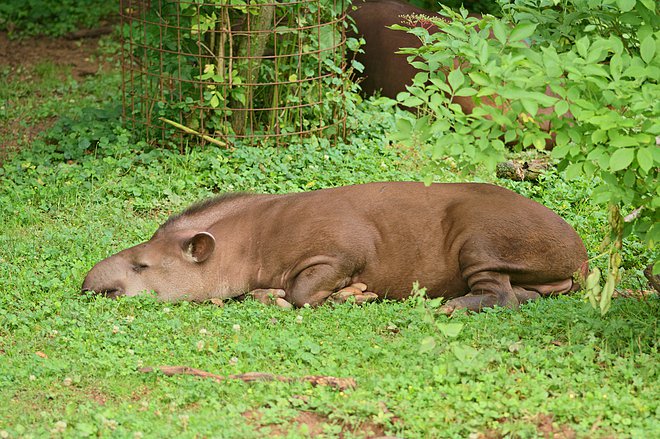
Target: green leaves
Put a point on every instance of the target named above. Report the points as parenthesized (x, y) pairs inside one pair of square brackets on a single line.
[(522, 31), (500, 31), (626, 5), (645, 158), (621, 159), (561, 108), (449, 329), (647, 49), (582, 46), (456, 79)]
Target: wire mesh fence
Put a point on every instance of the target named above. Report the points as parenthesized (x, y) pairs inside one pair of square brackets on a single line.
[(227, 71)]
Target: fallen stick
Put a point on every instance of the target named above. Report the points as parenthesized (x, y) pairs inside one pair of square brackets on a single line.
[(188, 130), (315, 380)]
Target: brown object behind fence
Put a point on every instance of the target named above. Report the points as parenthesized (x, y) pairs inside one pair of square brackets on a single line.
[(231, 72)]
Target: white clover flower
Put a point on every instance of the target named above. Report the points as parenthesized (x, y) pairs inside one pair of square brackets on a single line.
[(233, 361), (110, 423), (59, 427), (299, 319), (200, 345), (236, 327), (203, 331), (67, 381)]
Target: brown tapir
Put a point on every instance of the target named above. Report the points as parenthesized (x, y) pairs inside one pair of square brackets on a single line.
[(385, 70), (477, 244)]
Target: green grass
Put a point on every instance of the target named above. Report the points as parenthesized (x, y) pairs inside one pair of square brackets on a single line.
[(69, 363), (42, 17)]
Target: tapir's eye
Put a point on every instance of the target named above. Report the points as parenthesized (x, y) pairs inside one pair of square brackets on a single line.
[(139, 268)]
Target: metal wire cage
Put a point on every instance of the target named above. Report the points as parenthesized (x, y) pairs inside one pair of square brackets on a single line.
[(229, 71)]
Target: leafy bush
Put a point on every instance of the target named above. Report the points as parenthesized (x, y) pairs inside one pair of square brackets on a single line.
[(599, 96), (44, 17)]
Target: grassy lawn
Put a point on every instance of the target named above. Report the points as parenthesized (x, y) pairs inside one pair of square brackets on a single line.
[(70, 364)]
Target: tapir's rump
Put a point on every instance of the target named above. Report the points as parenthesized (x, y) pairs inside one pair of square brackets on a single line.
[(476, 244)]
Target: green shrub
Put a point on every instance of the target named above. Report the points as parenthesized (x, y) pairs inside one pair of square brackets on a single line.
[(604, 104)]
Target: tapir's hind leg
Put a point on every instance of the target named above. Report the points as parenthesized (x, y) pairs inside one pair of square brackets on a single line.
[(553, 288), (524, 295), (487, 289)]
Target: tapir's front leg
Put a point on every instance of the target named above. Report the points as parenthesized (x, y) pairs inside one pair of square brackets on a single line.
[(358, 291), (317, 278), (270, 296)]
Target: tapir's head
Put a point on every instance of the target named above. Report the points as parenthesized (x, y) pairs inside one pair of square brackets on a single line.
[(174, 266)]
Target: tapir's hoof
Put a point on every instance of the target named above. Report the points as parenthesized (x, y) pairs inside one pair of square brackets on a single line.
[(270, 296), (283, 303), (356, 291), (447, 309)]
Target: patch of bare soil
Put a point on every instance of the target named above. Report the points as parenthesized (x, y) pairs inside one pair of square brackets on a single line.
[(314, 423), (545, 426), (549, 429), (28, 52), (97, 396)]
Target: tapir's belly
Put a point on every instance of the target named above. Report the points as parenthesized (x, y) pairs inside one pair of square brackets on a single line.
[(440, 277)]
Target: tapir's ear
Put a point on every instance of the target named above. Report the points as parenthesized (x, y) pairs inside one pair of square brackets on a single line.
[(199, 247)]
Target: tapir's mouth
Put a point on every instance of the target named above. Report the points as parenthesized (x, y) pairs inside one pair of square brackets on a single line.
[(110, 294)]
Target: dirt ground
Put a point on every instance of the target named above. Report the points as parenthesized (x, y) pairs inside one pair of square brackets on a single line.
[(74, 53)]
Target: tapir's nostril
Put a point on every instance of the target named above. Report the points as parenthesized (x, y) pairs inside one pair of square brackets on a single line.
[(112, 294)]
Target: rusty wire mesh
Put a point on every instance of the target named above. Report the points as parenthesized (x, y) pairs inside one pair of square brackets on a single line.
[(233, 70)]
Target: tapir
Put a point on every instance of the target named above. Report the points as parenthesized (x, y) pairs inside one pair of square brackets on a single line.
[(477, 245), (385, 70), (389, 72)]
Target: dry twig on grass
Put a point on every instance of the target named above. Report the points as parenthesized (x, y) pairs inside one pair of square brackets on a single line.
[(315, 380)]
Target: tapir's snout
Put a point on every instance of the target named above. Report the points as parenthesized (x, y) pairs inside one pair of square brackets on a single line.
[(105, 279)]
